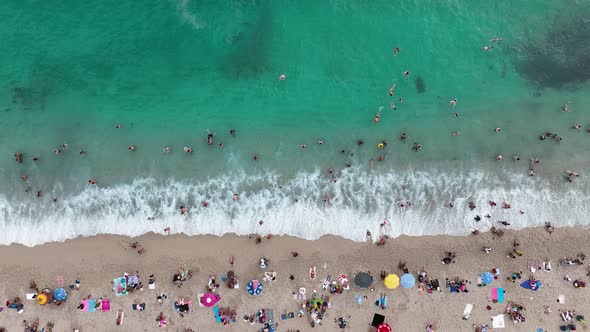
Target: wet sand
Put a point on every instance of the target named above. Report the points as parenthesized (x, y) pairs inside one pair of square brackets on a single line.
[(97, 260)]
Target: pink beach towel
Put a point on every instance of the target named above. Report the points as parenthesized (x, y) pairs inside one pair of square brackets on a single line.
[(85, 304), (106, 305)]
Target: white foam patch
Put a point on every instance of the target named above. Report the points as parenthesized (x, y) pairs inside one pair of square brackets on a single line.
[(359, 201), (183, 9)]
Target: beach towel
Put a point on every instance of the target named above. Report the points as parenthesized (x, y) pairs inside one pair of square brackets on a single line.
[(139, 307), (132, 280), (533, 265), (152, 286), (498, 295), (88, 305), (30, 296), (327, 282), (270, 316), (60, 281), (120, 286), (199, 296), (344, 281), (106, 305), (216, 313), (467, 311), (498, 322), (561, 299), (534, 286), (120, 317)]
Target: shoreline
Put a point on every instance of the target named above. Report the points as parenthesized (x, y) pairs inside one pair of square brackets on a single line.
[(99, 259)]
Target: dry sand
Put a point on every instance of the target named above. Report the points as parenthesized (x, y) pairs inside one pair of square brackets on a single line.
[(97, 260)]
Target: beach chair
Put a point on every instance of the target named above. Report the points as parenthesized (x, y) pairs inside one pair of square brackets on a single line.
[(60, 281), (270, 318), (467, 311)]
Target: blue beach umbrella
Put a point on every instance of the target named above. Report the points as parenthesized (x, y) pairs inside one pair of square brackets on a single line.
[(255, 287), (487, 278), (407, 281), (60, 294)]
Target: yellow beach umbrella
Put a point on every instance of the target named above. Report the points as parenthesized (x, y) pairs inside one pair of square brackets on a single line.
[(41, 299), (391, 281)]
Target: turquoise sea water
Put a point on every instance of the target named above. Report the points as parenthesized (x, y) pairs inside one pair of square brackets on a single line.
[(168, 71)]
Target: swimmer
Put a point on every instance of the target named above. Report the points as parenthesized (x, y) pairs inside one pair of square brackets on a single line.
[(456, 133), (495, 39), (372, 163), (166, 149), (302, 146), (182, 209), (131, 147), (393, 107), (492, 203), (577, 126), (391, 90), (342, 151), (516, 158), (24, 177), (401, 101), (232, 132), (39, 193), (330, 170), (255, 157), (403, 136), (417, 147), (92, 181), (234, 197), (487, 48), (542, 137), (282, 77), (57, 151), (566, 107), (499, 157), (320, 142), (118, 125), (65, 146), (187, 149), (396, 51), (360, 142), (498, 129), (406, 73), (220, 145), (18, 157), (453, 102), (204, 204), (456, 114), (82, 153)]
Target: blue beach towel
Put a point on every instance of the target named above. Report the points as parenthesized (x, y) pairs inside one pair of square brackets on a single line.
[(500, 295), (216, 313)]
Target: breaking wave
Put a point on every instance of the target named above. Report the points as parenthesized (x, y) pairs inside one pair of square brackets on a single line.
[(358, 201)]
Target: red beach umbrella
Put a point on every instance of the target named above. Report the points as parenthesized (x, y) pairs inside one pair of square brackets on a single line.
[(383, 327)]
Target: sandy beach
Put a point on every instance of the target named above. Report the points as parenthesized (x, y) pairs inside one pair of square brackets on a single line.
[(98, 260)]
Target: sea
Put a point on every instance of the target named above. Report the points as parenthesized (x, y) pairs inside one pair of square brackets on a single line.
[(298, 84)]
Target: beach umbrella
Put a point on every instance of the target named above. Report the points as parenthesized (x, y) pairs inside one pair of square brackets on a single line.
[(363, 279), (209, 299), (60, 294), (407, 281), (487, 278), (254, 287), (391, 281), (383, 327), (42, 298)]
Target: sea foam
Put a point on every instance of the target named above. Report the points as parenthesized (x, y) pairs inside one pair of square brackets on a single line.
[(358, 201)]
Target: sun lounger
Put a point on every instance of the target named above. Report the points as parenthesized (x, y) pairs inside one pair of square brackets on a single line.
[(60, 281), (199, 296), (327, 282), (467, 311), (270, 317)]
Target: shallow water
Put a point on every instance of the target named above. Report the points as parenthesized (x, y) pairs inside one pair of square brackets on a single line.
[(168, 71)]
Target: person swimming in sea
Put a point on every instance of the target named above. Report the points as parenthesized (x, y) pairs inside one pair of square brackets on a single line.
[(391, 90), (453, 102), (403, 136), (395, 51), (417, 147)]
